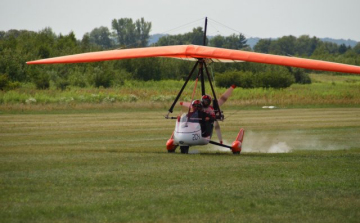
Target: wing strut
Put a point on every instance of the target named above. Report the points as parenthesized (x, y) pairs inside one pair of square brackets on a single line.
[(182, 89), (215, 101), (201, 72)]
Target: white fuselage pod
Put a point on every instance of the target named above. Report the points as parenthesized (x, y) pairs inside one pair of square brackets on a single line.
[(188, 133)]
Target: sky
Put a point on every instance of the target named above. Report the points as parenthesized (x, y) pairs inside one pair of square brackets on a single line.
[(254, 18)]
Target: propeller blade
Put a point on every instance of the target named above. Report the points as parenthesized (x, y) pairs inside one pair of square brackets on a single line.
[(218, 132), (185, 104), (226, 95)]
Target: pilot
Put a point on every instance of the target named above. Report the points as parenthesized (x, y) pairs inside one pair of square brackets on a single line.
[(207, 108)]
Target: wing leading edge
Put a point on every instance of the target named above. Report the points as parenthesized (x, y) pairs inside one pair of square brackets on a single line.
[(205, 52)]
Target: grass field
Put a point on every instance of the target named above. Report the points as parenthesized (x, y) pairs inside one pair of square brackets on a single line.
[(298, 165)]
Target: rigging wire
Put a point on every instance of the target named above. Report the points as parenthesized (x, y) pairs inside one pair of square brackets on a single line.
[(216, 32), (182, 26), (219, 23), (231, 114)]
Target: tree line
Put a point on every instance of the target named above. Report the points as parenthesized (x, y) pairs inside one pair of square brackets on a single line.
[(19, 46)]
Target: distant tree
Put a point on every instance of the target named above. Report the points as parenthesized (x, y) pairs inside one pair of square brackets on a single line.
[(101, 37), (100, 77), (300, 76), (143, 29), (44, 51), (263, 46), (283, 46), (325, 48), (331, 48), (124, 30), (356, 48), (66, 44), (217, 41), (42, 81), (272, 77), (171, 40), (13, 33), (4, 81), (288, 45), (130, 34), (85, 42), (235, 42), (305, 46), (342, 48), (2, 34), (195, 37)]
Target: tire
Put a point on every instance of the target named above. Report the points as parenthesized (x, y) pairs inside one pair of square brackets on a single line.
[(184, 149), (236, 153)]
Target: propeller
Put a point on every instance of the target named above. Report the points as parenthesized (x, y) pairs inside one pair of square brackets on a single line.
[(218, 131), (223, 98)]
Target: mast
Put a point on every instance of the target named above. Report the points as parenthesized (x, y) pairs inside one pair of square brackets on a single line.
[(201, 65), (205, 28)]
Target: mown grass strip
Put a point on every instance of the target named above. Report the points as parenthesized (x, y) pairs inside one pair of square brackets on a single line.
[(113, 166)]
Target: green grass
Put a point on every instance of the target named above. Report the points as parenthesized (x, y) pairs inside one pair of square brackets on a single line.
[(326, 90), (113, 167)]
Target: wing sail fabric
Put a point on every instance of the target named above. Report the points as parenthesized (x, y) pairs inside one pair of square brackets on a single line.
[(197, 52)]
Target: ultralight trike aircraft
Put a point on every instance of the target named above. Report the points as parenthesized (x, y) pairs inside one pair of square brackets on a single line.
[(195, 126)]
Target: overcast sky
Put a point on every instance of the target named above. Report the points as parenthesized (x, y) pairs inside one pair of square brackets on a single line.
[(254, 18)]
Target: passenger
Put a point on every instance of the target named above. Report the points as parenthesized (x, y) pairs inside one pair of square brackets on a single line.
[(196, 105), (195, 111), (197, 114)]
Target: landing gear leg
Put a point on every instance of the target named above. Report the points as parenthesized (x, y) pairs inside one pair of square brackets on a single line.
[(184, 149)]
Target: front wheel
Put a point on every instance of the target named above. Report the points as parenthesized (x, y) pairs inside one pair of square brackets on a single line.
[(184, 149)]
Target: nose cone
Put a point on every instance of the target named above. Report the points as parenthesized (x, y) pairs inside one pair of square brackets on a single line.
[(189, 134)]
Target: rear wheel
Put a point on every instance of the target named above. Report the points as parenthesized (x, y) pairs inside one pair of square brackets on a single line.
[(184, 149), (236, 153)]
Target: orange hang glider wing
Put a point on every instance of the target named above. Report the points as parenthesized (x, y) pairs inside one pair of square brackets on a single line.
[(204, 52)]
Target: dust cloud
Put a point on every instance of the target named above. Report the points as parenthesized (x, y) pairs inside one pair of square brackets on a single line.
[(283, 142), (256, 143), (266, 143)]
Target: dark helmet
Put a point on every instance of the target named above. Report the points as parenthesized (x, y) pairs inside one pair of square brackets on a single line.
[(206, 100), (196, 104)]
